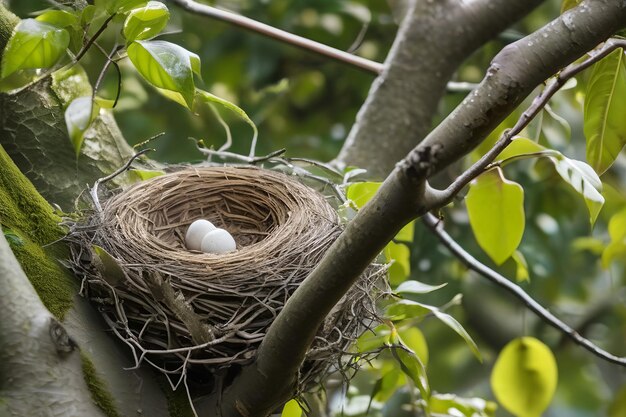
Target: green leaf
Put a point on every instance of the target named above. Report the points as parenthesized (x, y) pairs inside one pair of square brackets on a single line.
[(409, 309), (143, 175), (460, 330), (518, 147), (521, 271), (165, 65), (414, 339), (34, 44), (616, 249), (524, 377), (59, 18), (122, 6), (88, 14), (388, 385), (604, 121), (411, 365), (362, 192), (292, 409), (146, 22), (416, 287), (584, 180), (568, 4), (452, 405), (78, 116), (496, 213), (400, 257)]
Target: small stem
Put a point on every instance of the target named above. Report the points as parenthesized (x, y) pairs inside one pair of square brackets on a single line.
[(281, 35), (436, 227), (531, 112), (503, 162), (95, 36)]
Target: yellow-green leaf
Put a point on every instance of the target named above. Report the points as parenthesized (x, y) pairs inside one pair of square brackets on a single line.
[(605, 124), (362, 192), (616, 249), (165, 65), (521, 272), (524, 377), (400, 256), (568, 4), (34, 44), (496, 213), (292, 409), (142, 174), (146, 22)]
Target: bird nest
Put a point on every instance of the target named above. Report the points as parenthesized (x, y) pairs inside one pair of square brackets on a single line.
[(179, 309)]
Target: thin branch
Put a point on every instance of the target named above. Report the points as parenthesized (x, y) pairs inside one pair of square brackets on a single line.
[(280, 35), (95, 36), (531, 112), (436, 226)]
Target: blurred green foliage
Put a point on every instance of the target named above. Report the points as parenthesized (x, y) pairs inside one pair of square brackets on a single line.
[(307, 105)]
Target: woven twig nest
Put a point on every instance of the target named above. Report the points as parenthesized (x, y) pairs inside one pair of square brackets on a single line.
[(178, 308)]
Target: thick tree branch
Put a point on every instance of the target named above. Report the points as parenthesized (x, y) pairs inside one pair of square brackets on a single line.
[(433, 40), (280, 35), (36, 354), (472, 263), (529, 114), (516, 71)]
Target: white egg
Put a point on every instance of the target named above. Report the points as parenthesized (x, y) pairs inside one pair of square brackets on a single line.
[(196, 232), (218, 241)]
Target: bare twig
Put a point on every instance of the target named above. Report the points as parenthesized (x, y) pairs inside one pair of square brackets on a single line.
[(537, 105), (472, 263), (94, 190), (103, 72), (281, 35), (95, 36)]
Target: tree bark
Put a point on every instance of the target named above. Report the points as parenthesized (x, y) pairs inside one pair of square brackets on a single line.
[(433, 39), (40, 365), (404, 195)]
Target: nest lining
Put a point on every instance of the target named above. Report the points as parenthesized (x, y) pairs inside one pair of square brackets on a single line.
[(182, 308)]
